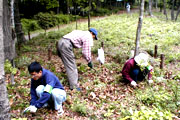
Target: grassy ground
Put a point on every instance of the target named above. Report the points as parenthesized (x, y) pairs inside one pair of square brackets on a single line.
[(103, 94)]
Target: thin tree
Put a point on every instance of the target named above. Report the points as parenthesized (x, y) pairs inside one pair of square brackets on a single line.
[(89, 14), (138, 32), (156, 3), (4, 103), (150, 7), (172, 10), (18, 27), (164, 7), (178, 11)]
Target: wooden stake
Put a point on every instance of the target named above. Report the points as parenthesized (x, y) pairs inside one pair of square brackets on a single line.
[(102, 45), (155, 51), (162, 61), (49, 53)]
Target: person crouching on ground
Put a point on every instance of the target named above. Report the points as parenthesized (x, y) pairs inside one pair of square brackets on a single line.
[(45, 88), (75, 39), (136, 69)]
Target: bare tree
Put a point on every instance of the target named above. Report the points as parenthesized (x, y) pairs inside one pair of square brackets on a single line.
[(138, 32), (4, 103)]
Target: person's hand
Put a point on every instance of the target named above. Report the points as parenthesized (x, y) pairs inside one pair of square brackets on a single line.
[(150, 81), (31, 108), (90, 64), (133, 83)]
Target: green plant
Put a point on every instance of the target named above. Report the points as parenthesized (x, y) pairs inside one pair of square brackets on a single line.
[(45, 20), (151, 97), (80, 108), (29, 25), (22, 61), (9, 68), (149, 114)]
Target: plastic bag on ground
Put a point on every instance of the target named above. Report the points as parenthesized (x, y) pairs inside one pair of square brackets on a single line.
[(101, 57)]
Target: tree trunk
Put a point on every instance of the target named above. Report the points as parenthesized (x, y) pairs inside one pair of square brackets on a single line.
[(18, 27), (12, 13), (156, 4), (172, 10), (164, 6), (178, 11), (138, 32), (9, 38), (89, 14), (4, 103), (9, 42), (150, 7), (68, 11)]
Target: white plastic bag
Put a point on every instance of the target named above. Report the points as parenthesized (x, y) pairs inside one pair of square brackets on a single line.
[(101, 57)]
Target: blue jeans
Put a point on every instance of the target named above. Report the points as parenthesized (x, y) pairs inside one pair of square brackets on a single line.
[(58, 96), (137, 75)]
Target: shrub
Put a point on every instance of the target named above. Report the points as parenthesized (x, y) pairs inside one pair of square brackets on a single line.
[(45, 20), (101, 12), (22, 61), (81, 108), (29, 25), (9, 68)]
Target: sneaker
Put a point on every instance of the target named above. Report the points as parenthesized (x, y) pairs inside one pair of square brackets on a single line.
[(60, 111)]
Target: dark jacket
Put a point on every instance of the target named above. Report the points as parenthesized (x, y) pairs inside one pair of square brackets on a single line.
[(47, 78)]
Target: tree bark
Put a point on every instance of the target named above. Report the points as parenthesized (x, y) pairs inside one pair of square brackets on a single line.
[(68, 11), (178, 11), (172, 10), (4, 103), (9, 42), (12, 13), (89, 15), (150, 7), (138, 32), (9, 38), (18, 27), (164, 6), (156, 4)]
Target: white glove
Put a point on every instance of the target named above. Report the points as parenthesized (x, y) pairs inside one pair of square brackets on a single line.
[(101, 57), (133, 83), (31, 108), (150, 81)]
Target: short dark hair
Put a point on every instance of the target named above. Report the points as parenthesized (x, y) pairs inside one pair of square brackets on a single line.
[(34, 67)]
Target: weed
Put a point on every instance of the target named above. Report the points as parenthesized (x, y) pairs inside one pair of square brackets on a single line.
[(81, 108), (22, 61)]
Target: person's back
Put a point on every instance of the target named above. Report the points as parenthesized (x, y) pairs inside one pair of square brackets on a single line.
[(78, 37)]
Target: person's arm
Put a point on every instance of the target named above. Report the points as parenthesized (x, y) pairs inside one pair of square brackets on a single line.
[(86, 50), (34, 96), (50, 80), (126, 72)]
